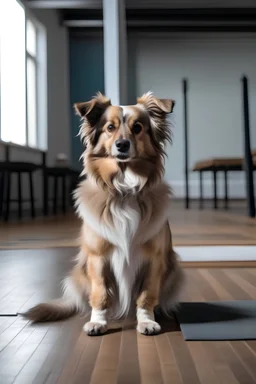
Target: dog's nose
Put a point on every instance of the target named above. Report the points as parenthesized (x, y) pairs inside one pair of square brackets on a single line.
[(123, 145)]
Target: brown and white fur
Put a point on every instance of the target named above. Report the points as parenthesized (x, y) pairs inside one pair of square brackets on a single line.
[(126, 260)]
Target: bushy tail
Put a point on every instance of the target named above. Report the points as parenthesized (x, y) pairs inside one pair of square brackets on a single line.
[(52, 311), (72, 302)]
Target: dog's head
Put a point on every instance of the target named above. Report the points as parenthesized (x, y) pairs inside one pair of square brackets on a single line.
[(121, 137)]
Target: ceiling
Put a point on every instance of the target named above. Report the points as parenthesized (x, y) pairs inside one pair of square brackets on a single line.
[(144, 4), (230, 15)]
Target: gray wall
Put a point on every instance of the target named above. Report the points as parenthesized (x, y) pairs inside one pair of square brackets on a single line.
[(214, 64), (58, 84)]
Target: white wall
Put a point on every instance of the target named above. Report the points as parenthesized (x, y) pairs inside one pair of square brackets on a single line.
[(214, 64)]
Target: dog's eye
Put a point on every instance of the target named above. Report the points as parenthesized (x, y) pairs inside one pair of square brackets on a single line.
[(111, 128), (136, 128)]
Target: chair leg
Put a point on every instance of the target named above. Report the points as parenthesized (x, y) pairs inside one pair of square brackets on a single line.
[(2, 177), (70, 189), (226, 188), (64, 194), (19, 195), (45, 192), (201, 190), (55, 197), (8, 197), (215, 189), (32, 198)]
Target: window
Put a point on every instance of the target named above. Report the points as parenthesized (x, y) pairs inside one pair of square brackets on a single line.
[(23, 77), (13, 85)]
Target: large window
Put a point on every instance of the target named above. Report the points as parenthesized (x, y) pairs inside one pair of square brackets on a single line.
[(23, 77)]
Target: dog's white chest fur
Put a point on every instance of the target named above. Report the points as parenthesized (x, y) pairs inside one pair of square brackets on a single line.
[(126, 258), (129, 181)]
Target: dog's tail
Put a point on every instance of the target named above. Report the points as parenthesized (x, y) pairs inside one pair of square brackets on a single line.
[(71, 303), (52, 311)]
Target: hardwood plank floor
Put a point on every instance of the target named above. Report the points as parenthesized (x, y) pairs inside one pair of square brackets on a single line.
[(62, 353), (189, 227)]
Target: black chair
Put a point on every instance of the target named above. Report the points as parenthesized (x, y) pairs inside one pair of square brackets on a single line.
[(7, 169), (68, 178)]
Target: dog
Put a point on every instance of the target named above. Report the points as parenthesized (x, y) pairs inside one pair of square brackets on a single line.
[(126, 262)]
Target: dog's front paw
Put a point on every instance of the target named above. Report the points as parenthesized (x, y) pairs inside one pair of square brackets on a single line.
[(95, 329), (148, 327)]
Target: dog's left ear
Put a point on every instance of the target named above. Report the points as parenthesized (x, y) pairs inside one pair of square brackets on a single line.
[(166, 105), (158, 109), (156, 106)]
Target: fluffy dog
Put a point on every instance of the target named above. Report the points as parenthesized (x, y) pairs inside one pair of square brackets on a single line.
[(126, 260)]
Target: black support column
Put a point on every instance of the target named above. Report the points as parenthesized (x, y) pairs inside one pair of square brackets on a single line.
[(248, 165), (185, 91)]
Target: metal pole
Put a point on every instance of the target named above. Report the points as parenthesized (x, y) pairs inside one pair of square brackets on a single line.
[(185, 90), (45, 184), (247, 151)]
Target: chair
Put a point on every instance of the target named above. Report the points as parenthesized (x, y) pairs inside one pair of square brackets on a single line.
[(216, 165), (7, 169), (63, 174)]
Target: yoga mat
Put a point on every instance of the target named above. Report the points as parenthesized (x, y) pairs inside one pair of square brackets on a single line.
[(232, 320)]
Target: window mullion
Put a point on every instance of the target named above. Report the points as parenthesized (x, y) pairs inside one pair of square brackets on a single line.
[(37, 98), (32, 64), (33, 58), (26, 80), (0, 95)]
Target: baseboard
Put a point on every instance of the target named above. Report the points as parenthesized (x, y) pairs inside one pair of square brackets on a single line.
[(236, 188)]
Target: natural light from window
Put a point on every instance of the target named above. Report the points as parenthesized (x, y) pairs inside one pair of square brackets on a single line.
[(12, 64), (23, 97)]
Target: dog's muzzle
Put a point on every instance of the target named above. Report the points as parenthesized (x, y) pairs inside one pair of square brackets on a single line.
[(122, 149), (123, 145)]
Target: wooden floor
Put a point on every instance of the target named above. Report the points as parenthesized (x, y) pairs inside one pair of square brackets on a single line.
[(62, 353), (189, 227)]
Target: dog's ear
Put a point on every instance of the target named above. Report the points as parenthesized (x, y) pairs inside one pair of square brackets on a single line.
[(91, 113), (156, 106), (92, 110), (158, 109)]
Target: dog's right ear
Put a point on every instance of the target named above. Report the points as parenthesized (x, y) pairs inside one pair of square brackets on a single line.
[(92, 110)]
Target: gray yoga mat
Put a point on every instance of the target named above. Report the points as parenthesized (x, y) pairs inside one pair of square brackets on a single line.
[(232, 320)]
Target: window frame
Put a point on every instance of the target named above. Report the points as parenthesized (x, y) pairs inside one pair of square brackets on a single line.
[(40, 30), (35, 60)]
